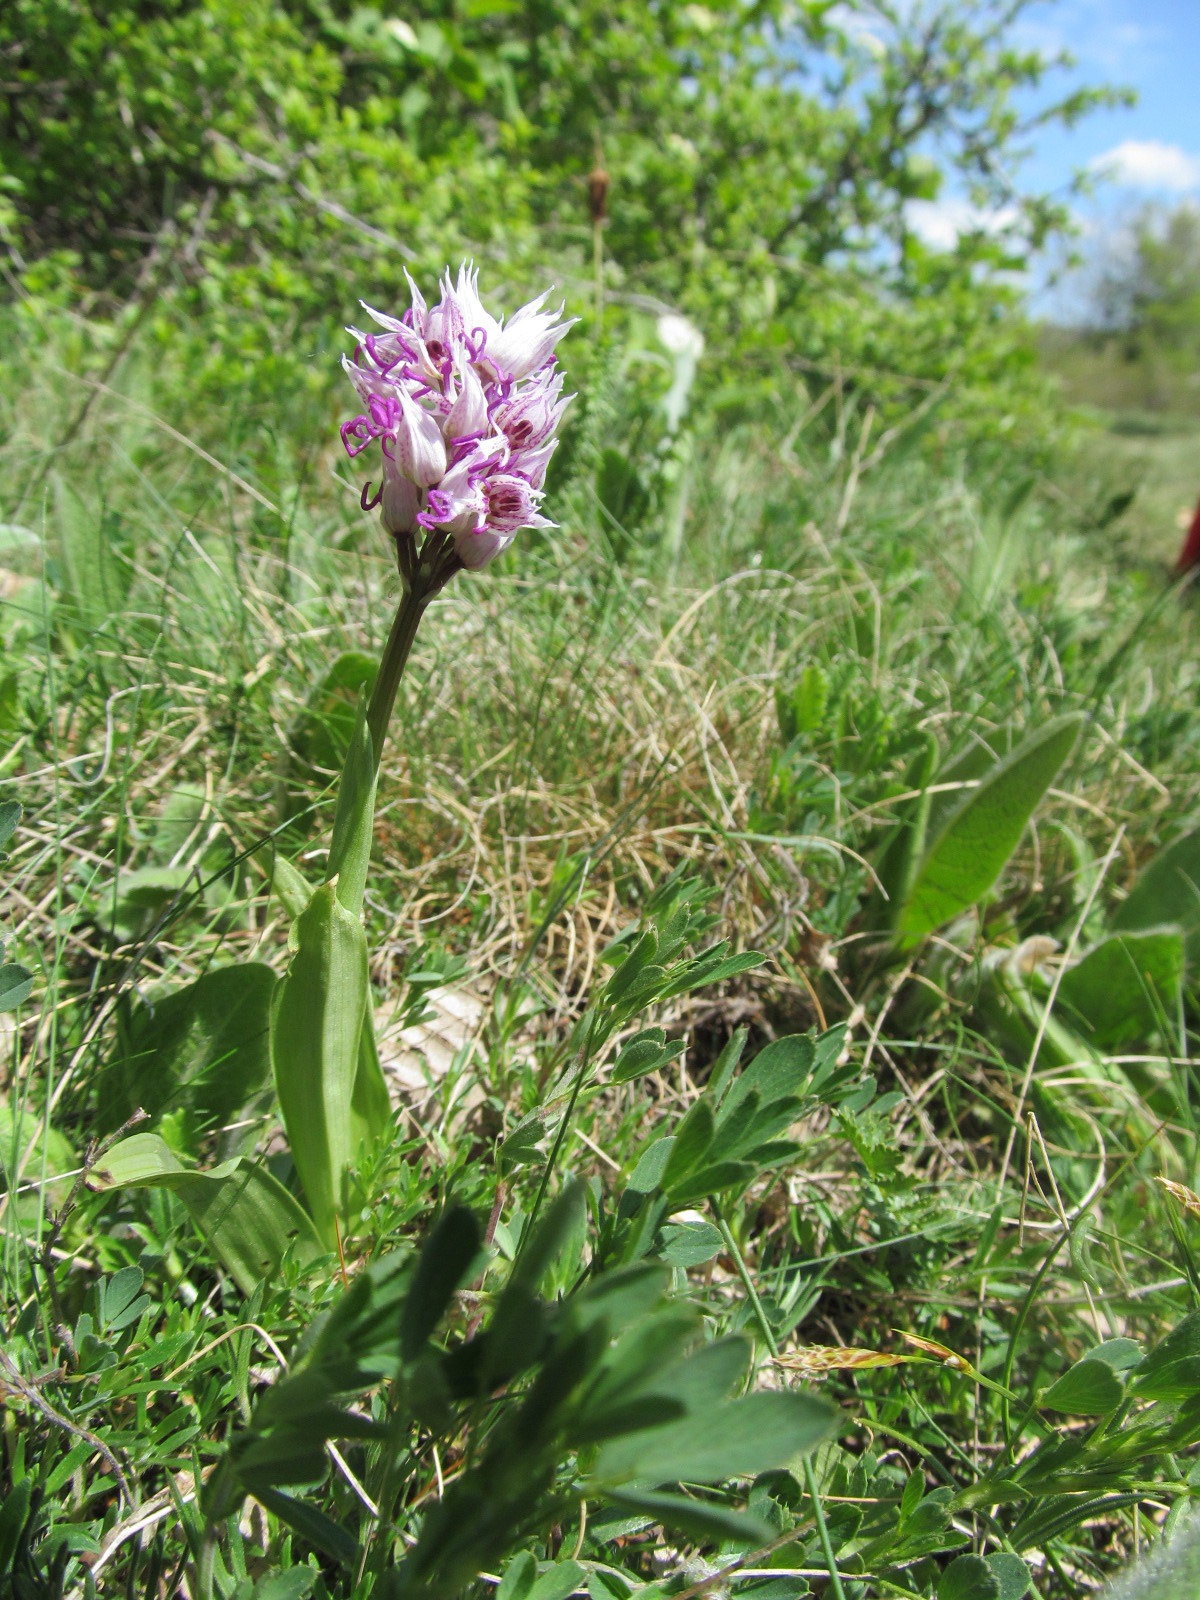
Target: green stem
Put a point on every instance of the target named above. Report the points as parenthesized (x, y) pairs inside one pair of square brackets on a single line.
[(559, 1141), (810, 1477), (206, 1563), (395, 656)]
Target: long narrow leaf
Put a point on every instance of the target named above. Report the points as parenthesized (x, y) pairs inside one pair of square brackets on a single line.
[(316, 1032)]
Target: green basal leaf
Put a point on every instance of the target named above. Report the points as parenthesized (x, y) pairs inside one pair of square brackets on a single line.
[(248, 1217), (1123, 988), (204, 1047), (323, 732), (97, 576), (316, 1038), (1168, 890), (371, 1104), (900, 854), (292, 887), (981, 833), (353, 823)]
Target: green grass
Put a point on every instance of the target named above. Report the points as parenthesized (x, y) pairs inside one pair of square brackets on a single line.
[(598, 711)]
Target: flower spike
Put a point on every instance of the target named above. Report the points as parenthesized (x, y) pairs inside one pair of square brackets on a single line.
[(466, 408)]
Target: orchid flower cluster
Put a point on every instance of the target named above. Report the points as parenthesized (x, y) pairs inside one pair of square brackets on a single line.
[(466, 408)]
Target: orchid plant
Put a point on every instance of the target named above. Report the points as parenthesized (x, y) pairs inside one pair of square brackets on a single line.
[(465, 408)]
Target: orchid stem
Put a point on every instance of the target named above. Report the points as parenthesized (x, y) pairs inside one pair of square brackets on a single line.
[(395, 656)]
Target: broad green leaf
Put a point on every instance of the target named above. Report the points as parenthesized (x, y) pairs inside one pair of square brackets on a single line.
[(13, 1514), (699, 1519), (1168, 890), (1120, 1354), (692, 1138), (10, 817), (739, 1438), (370, 1102), (981, 833), (322, 733), (1088, 1389), (519, 1576), (779, 1071), (293, 1583), (647, 1175), (90, 539), (316, 1033), (179, 823), (647, 1051), (119, 1299), (1118, 993), (126, 909), (558, 1581), (292, 887), (704, 1181), (1183, 1340), (901, 852), (354, 819), (16, 984), (313, 1526), (1171, 1371), (444, 1263), (968, 1578), (1011, 1573), (248, 1217), (688, 1244), (205, 1047), (17, 1134), (955, 780)]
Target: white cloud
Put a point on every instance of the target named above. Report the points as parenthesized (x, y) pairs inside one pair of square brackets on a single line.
[(940, 223), (1150, 164)]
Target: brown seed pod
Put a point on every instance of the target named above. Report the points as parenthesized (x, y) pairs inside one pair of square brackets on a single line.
[(598, 193)]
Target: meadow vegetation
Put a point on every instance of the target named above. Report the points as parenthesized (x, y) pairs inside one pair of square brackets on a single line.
[(783, 902)]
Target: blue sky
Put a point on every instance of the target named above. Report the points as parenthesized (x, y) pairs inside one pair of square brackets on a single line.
[(1154, 47), (1150, 151)]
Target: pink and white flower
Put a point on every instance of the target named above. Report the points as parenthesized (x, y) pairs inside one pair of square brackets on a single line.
[(466, 408)]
